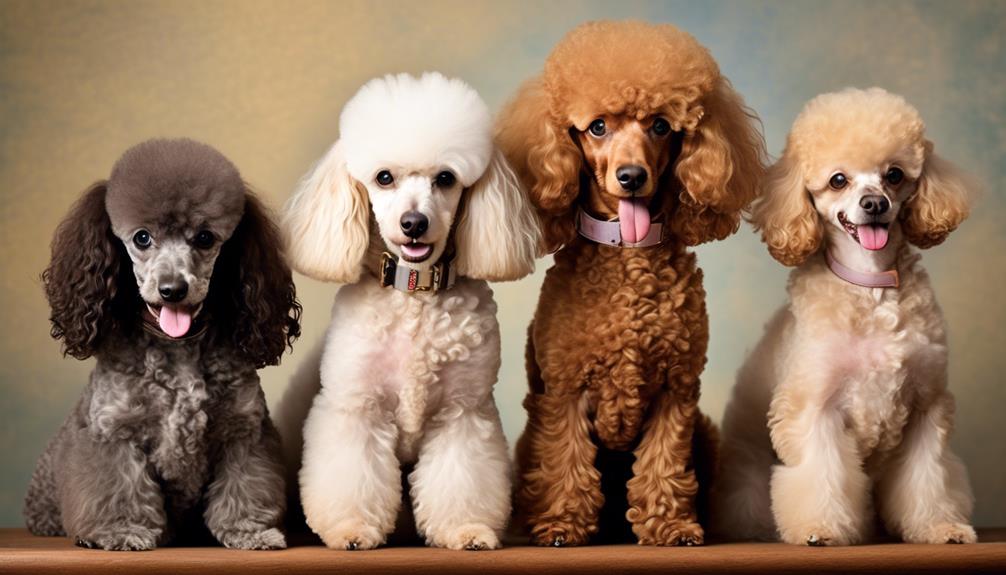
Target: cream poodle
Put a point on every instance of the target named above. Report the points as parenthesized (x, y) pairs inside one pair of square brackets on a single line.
[(414, 209), (843, 406)]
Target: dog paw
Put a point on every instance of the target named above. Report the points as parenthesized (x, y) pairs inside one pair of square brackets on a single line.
[(559, 534), (821, 536), (265, 539), (352, 535), (671, 534), (944, 533), (469, 537), (133, 538)]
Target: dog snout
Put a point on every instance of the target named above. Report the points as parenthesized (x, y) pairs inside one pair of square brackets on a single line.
[(414, 224), (874, 205), (631, 177), (172, 289)]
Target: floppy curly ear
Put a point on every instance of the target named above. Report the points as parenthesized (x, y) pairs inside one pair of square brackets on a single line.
[(84, 276), (942, 201), (720, 165), (785, 216), (498, 236), (253, 289), (326, 222), (545, 158)]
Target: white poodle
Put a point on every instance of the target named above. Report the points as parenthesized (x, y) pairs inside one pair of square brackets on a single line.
[(844, 404), (414, 209)]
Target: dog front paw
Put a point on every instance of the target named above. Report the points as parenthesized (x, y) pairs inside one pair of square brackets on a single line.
[(818, 535), (352, 535), (131, 538), (944, 533), (469, 537), (259, 540), (669, 533), (559, 534)]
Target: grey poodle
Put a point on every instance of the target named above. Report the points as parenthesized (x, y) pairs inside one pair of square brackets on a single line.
[(171, 274)]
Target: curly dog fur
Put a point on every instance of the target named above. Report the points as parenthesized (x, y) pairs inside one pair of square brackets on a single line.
[(619, 337), (843, 407), (168, 427), (404, 380)]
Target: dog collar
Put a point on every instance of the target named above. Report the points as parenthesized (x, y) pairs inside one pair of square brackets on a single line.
[(885, 279), (610, 233), (439, 277)]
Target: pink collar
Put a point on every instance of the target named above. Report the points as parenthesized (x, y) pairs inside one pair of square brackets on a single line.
[(885, 279), (610, 233)]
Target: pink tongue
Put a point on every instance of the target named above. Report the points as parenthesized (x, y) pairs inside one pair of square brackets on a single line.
[(872, 237), (175, 321), (634, 219), (416, 251)]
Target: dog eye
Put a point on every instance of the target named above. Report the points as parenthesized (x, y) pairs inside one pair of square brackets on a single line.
[(445, 179), (142, 239), (661, 127), (894, 176), (384, 178), (838, 181), (204, 240), (597, 127)]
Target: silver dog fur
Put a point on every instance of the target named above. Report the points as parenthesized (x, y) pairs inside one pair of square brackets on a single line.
[(167, 428)]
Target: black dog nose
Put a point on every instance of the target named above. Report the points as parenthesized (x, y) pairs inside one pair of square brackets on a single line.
[(631, 177), (874, 205), (173, 290), (414, 224)]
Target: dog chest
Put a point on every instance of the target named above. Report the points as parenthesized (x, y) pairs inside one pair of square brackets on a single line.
[(177, 402)]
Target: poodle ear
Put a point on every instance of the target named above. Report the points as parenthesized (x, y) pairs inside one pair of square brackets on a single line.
[(497, 237), (254, 288), (83, 276), (788, 221), (719, 168), (326, 222), (942, 201), (546, 159)]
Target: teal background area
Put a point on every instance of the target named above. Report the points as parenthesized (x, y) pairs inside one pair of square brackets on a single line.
[(264, 82)]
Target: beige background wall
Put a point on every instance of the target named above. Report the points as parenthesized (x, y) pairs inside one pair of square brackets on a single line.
[(264, 82)]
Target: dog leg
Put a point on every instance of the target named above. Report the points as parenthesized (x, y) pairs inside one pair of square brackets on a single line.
[(923, 493), (820, 494), (662, 490), (246, 501), (461, 483), (109, 500), (350, 483), (561, 490)]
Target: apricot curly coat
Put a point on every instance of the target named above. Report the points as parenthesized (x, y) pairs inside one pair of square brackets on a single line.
[(619, 337)]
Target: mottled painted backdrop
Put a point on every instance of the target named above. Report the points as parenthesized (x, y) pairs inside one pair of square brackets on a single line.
[(264, 83)]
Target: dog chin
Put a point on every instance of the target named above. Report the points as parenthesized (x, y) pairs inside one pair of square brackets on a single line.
[(174, 319)]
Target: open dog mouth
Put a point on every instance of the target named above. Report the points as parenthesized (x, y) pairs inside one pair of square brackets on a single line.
[(174, 320), (872, 236), (416, 252), (634, 219)]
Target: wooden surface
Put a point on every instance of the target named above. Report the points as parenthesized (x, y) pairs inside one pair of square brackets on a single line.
[(23, 553)]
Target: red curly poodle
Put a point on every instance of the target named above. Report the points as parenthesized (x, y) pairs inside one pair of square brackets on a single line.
[(630, 122)]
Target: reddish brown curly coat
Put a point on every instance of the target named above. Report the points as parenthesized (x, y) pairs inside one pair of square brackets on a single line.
[(619, 337)]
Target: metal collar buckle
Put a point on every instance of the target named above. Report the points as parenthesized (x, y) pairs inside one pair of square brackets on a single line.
[(439, 277)]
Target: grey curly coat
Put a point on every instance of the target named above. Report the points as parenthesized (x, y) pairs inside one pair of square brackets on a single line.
[(168, 428)]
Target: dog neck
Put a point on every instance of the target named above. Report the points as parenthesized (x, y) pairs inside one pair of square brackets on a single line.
[(388, 270), (606, 230), (860, 266)]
